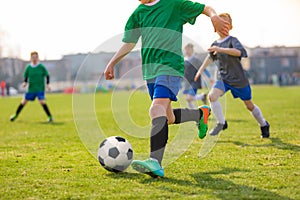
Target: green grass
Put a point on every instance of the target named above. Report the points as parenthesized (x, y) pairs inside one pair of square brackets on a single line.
[(50, 161)]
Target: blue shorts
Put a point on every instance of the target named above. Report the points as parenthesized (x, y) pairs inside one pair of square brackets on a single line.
[(242, 93), (164, 86), (30, 96), (191, 91)]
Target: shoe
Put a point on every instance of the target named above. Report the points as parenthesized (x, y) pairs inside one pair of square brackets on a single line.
[(218, 128), (50, 119), (150, 167), (265, 131), (202, 126), (13, 117)]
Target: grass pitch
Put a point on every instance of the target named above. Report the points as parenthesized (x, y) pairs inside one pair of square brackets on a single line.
[(49, 161)]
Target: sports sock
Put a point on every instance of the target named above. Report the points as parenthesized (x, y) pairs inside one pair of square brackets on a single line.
[(46, 109), (257, 114), (217, 111), (159, 138), (19, 109), (186, 115), (191, 104), (199, 96)]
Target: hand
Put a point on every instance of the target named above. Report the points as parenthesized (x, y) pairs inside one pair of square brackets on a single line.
[(197, 76), (48, 87), (109, 72), (214, 49), (24, 84), (220, 25)]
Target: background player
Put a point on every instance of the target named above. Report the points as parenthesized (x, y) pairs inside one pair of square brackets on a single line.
[(35, 75), (191, 66), (227, 52)]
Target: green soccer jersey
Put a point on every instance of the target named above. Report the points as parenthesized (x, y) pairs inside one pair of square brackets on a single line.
[(160, 27), (36, 77)]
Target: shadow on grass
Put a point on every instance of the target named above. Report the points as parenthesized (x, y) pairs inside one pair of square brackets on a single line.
[(52, 123), (276, 143), (226, 189), (125, 175), (237, 120), (207, 185)]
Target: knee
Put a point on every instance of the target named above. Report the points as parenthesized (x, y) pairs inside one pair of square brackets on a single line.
[(250, 107), (171, 118), (212, 97), (23, 102), (157, 110)]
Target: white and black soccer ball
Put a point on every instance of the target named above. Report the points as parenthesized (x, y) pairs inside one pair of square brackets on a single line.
[(115, 154)]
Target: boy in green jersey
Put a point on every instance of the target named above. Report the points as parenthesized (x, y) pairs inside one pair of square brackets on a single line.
[(34, 76), (159, 24)]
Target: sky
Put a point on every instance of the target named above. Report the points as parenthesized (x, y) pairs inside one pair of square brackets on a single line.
[(58, 27)]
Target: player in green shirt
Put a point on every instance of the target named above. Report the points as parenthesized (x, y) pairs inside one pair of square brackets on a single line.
[(35, 75), (159, 24)]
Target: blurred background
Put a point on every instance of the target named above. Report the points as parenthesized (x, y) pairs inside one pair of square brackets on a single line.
[(67, 35)]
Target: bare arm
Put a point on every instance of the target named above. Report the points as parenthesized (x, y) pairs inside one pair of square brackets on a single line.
[(219, 24), (121, 53), (229, 51), (204, 65)]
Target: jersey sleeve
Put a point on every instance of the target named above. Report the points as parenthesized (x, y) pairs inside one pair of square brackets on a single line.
[(190, 11), (237, 45), (132, 30), (46, 73), (26, 72)]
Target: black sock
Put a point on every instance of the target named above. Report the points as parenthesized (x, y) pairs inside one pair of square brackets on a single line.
[(21, 106), (159, 138), (46, 109), (186, 115)]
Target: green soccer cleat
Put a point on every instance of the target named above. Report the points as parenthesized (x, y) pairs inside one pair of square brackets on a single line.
[(203, 126), (50, 119), (150, 167), (13, 117)]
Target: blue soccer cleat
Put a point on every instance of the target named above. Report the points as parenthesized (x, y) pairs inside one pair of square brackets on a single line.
[(150, 167)]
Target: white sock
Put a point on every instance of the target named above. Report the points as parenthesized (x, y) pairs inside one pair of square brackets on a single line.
[(217, 111), (199, 97), (191, 105), (257, 114)]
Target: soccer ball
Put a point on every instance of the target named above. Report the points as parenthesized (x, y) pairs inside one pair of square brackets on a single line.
[(115, 154)]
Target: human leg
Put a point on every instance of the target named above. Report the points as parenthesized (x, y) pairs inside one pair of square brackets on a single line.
[(162, 91), (216, 108), (190, 95), (202, 97), (19, 109), (42, 100), (258, 116)]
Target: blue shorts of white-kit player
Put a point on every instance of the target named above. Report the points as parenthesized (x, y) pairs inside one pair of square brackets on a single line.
[(242, 93), (164, 86), (191, 91), (30, 96)]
